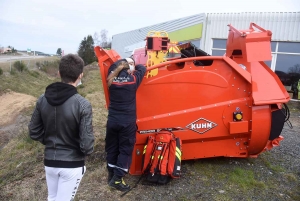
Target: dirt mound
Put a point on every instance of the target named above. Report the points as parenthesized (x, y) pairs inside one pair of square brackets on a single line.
[(11, 104), (12, 121)]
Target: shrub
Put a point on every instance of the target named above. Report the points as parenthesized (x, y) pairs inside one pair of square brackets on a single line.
[(13, 72), (20, 66), (34, 73), (50, 67), (1, 71), (38, 64)]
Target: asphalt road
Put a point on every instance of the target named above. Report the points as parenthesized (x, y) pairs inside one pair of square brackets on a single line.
[(7, 58)]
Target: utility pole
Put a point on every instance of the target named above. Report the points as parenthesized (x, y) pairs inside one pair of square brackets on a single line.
[(10, 63)]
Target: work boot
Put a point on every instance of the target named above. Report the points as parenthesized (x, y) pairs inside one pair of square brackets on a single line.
[(119, 183), (110, 176)]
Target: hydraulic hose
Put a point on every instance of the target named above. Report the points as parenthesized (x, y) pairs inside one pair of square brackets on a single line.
[(287, 115)]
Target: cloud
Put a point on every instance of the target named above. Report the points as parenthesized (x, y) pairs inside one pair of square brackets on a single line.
[(64, 23)]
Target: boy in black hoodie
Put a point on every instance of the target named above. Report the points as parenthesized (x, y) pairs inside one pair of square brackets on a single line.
[(62, 121)]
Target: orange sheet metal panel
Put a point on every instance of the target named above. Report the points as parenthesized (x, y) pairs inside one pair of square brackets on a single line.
[(260, 130), (235, 147), (198, 102), (266, 86), (105, 59), (238, 127)]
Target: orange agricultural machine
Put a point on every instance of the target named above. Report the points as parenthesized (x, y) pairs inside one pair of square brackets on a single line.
[(230, 106)]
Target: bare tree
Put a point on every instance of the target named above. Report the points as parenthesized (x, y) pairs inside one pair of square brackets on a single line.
[(295, 69), (96, 39), (104, 38)]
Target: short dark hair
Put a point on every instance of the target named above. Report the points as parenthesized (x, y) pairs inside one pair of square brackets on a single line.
[(70, 67)]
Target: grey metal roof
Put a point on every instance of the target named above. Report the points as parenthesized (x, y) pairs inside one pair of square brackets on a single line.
[(120, 41)]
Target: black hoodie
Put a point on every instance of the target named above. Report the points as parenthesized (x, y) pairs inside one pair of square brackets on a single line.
[(57, 93)]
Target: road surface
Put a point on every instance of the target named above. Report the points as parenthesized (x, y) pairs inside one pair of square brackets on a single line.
[(7, 58)]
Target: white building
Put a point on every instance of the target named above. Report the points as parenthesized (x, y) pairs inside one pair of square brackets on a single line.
[(209, 32), (4, 50)]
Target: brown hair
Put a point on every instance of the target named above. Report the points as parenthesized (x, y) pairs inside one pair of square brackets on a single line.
[(70, 67)]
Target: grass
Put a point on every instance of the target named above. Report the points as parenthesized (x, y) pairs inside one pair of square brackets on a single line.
[(221, 169), (27, 82), (245, 179), (19, 156), (22, 172), (275, 168), (22, 158), (30, 63)]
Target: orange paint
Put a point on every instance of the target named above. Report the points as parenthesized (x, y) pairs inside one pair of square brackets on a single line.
[(198, 102)]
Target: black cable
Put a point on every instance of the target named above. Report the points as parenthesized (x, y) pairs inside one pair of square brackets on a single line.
[(133, 186), (287, 115)]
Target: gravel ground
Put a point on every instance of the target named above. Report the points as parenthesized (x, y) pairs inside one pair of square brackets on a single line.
[(274, 175)]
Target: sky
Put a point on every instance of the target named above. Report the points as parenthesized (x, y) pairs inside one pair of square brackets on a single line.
[(51, 24)]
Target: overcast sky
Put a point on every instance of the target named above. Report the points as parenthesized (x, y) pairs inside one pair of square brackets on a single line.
[(51, 24)]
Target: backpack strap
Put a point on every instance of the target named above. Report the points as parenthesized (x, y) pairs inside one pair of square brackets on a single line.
[(147, 154), (174, 165), (164, 160)]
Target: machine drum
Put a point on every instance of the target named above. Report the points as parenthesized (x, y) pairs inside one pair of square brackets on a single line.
[(278, 119)]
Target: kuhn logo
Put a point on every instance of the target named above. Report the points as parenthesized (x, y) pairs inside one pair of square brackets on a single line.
[(201, 125)]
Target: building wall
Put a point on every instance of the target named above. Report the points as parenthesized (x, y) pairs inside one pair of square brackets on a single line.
[(285, 26), (285, 45), (125, 43), (210, 32)]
